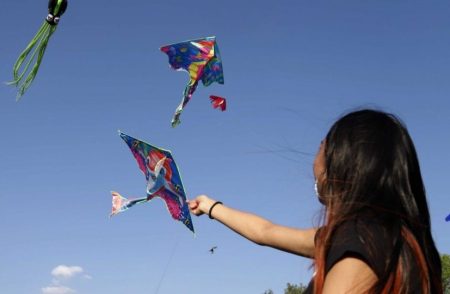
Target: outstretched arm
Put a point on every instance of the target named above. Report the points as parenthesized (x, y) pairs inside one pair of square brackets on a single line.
[(258, 229)]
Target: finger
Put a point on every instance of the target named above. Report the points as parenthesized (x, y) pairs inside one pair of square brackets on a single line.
[(193, 204), (197, 212)]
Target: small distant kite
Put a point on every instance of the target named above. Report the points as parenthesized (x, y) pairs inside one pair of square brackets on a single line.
[(201, 59), (212, 249), (447, 218), (218, 102), (163, 180), (23, 75)]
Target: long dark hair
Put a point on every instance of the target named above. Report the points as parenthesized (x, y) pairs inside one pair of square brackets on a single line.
[(372, 170)]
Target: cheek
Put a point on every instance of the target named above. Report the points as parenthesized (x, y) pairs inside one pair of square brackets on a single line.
[(315, 169), (319, 162), (319, 167)]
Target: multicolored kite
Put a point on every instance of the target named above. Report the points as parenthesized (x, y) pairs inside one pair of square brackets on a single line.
[(163, 180), (201, 59), (37, 47)]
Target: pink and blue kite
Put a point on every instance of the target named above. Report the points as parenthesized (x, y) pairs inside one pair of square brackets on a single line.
[(163, 180), (201, 59)]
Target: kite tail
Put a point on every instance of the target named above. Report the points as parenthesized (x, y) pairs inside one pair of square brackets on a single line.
[(33, 53), (120, 203), (187, 94)]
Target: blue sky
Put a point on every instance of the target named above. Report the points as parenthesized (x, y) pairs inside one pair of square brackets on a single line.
[(291, 68)]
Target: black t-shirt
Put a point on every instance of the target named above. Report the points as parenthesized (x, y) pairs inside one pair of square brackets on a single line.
[(351, 239)]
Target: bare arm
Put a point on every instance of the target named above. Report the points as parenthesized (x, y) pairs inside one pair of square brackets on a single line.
[(350, 276), (258, 229)]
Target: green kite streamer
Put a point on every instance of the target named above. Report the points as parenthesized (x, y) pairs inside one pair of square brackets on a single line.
[(34, 52)]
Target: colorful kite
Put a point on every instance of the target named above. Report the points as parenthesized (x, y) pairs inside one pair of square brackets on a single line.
[(201, 59), (218, 102), (22, 76), (163, 180)]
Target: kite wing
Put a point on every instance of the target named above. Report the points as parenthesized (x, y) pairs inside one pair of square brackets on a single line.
[(23, 76), (218, 102), (201, 59), (447, 218), (138, 154), (163, 179), (177, 207), (191, 56), (213, 71)]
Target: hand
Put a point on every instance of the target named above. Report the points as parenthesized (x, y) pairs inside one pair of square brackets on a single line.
[(200, 205)]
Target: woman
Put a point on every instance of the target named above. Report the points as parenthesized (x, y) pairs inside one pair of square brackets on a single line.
[(376, 236)]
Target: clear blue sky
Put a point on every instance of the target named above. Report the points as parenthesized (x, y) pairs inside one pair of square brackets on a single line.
[(291, 68)]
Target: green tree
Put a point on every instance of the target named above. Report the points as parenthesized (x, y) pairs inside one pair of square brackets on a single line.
[(445, 260), (294, 289), (290, 289)]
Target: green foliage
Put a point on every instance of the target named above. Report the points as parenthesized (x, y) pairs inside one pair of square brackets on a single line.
[(294, 289), (445, 260), (290, 289)]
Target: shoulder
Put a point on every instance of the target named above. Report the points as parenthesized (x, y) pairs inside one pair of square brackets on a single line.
[(356, 256), (363, 239), (349, 275)]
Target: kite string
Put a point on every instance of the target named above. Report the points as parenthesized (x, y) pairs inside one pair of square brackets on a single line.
[(167, 265)]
